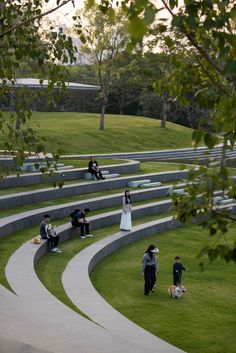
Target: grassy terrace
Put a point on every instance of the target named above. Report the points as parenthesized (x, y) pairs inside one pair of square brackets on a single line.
[(11, 243), (203, 320), (145, 167)]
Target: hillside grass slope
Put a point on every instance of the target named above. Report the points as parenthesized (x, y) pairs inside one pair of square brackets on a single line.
[(79, 133)]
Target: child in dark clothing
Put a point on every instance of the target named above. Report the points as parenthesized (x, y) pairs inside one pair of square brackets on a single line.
[(177, 271)]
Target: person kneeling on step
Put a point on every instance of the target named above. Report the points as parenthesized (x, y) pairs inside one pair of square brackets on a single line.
[(47, 231), (79, 220)]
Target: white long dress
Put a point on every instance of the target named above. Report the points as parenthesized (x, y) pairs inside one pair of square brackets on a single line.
[(126, 223)]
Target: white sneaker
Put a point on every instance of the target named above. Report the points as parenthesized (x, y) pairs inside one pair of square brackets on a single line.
[(89, 235), (83, 237), (56, 250)]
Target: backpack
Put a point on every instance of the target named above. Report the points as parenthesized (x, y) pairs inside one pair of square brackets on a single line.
[(72, 214), (74, 220)]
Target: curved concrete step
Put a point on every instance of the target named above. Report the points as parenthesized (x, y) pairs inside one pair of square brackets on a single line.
[(76, 173), (79, 334), (26, 219), (161, 154), (77, 284), (34, 196)]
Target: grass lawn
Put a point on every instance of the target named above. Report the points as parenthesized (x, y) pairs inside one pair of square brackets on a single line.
[(203, 321), (79, 133)]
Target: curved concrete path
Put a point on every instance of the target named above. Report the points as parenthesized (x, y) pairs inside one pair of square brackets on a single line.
[(77, 284), (56, 328)]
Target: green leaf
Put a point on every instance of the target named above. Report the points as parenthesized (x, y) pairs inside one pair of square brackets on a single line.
[(137, 28), (212, 254), (213, 231), (197, 136), (150, 13), (210, 140)]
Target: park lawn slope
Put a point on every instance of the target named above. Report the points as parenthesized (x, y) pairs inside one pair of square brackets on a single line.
[(79, 133), (203, 320)]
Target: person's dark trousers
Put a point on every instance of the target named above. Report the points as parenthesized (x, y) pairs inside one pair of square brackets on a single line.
[(149, 278), (176, 280), (98, 175), (53, 242), (84, 226)]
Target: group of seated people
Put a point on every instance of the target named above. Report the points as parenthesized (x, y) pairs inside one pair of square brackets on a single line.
[(78, 219)]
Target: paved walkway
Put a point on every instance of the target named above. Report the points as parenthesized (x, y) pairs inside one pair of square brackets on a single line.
[(42, 323)]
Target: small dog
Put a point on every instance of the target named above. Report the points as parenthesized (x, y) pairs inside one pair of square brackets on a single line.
[(36, 240), (176, 291)]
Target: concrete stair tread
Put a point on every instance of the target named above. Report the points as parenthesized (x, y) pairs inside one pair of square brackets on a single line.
[(136, 183), (150, 185), (177, 191), (111, 176)]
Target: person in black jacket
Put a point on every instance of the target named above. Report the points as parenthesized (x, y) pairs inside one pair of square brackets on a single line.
[(48, 232), (94, 169), (178, 268), (79, 220)]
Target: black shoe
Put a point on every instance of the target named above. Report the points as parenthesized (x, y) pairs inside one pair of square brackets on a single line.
[(103, 178)]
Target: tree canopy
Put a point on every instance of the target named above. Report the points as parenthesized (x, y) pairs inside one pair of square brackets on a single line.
[(26, 38), (200, 38)]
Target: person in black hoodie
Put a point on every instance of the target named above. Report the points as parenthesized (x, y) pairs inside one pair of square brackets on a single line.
[(78, 219), (178, 268)]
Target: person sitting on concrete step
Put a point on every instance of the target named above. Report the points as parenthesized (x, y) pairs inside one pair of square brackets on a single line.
[(47, 231), (94, 169), (79, 220)]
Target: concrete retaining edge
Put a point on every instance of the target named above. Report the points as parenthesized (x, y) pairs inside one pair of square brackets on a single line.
[(71, 174), (34, 196)]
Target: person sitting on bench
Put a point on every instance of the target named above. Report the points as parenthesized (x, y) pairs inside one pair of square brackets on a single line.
[(94, 169), (79, 220), (48, 232)]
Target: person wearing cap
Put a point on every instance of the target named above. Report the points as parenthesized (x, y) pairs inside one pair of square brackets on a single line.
[(150, 268), (178, 268)]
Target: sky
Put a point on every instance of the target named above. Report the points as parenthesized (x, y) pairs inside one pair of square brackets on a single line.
[(65, 13)]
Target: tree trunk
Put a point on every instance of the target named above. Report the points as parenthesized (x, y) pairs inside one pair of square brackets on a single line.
[(102, 117), (18, 122), (121, 104), (164, 114)]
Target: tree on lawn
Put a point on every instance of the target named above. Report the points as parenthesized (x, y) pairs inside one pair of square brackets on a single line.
[(104, 36)]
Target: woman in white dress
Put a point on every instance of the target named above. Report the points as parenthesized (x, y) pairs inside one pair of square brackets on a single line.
[(125, 223)]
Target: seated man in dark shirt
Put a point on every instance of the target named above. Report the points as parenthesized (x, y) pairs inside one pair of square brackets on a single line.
[(48, 232), (79, 220), (94, 169)]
